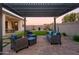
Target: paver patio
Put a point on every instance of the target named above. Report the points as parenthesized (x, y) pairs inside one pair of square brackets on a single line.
[(68, 47)]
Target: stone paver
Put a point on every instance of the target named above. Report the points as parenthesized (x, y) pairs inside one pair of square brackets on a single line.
[(68, 47)]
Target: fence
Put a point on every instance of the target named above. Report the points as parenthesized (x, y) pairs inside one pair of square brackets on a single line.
[(69, 28)]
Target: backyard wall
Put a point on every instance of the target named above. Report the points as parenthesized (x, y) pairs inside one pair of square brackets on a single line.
[(30, 27), (69, 28)]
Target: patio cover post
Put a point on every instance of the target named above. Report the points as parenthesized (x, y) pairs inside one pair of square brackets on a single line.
[(0, 28), (24, 26), (54, 24)]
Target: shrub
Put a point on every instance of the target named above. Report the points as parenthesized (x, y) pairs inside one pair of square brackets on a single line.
[(20, 33), (64, 34), (76, 38), (39, 28)]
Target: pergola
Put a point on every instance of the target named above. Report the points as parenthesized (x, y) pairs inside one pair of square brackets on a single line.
[(36, 10)]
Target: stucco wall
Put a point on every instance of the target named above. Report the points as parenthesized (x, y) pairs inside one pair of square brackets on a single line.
[(30, 27), (69, 28), (6, 17)]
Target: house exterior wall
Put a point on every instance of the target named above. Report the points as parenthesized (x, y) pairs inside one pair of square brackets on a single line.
[(20, 25), (10, 26), (4, 19)]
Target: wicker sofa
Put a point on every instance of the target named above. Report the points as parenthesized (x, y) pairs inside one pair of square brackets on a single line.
[(54, 37), (18, 43)]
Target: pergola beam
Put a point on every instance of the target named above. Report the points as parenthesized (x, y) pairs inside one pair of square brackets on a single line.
[(54, 24), (24, 26)]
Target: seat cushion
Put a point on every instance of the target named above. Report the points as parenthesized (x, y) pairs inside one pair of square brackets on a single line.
[(31, 38), (14, 37), (31, 34), (50, 32)]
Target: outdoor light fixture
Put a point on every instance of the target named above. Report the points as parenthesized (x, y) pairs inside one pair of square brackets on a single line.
[(16, 23)]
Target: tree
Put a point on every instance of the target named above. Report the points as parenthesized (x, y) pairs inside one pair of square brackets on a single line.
[(39, 28), (70, 17), (66, 18), (78, 16)]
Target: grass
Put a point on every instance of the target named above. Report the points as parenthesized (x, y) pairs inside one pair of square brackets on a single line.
[(40, 32)]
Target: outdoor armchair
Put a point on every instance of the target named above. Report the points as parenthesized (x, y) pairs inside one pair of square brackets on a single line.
[(18, 43), (32, 38), (54, 37)]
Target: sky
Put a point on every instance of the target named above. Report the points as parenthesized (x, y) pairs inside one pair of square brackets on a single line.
[(47, 20)]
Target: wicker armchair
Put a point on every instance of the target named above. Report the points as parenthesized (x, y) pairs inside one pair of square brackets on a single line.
[(32, 38), (54, 38), (19, 44)]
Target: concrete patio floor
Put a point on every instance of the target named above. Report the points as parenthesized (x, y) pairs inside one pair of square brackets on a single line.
[(68, 47)]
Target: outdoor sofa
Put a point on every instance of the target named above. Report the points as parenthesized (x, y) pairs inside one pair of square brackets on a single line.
[(54, 37), (18, 43)]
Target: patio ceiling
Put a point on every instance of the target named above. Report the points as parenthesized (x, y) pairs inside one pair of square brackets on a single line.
[(40, 9)]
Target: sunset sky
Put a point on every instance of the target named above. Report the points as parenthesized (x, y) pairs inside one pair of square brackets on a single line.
[(46, 20)]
